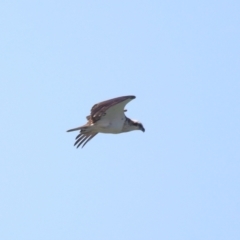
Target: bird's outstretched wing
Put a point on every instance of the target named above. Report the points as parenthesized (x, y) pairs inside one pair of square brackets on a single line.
[(110, 108), (82, 138)]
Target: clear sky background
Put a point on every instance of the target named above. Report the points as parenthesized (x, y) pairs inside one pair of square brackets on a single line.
[(178, 180)]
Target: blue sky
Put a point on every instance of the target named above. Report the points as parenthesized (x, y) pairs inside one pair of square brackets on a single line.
[(178, 180)]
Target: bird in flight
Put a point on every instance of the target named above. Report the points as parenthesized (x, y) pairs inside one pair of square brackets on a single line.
[(107, 117)]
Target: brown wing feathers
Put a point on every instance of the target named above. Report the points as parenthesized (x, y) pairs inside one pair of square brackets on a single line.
[(99, 109), (83, 139)]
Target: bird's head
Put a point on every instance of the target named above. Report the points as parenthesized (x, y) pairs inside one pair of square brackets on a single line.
[(137, 125)]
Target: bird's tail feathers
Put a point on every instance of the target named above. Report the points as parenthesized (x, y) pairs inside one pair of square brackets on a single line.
[(74, 129), (84, 129)]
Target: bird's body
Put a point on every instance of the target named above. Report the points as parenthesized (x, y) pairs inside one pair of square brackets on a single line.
[(107, 117)]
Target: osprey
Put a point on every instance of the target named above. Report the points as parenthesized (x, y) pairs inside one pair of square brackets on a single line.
[(107, 117)]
